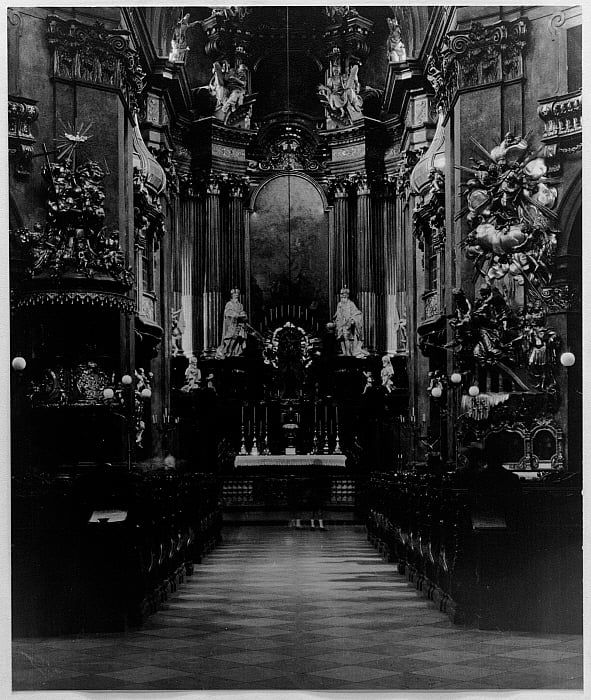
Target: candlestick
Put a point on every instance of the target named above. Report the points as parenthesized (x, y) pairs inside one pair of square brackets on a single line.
[(337, 447), (325, 446), (242, 436)]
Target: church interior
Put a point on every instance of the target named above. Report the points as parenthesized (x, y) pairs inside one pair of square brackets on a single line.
[(295, 347)]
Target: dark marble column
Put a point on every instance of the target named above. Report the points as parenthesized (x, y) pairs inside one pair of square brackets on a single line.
[(236, 254)]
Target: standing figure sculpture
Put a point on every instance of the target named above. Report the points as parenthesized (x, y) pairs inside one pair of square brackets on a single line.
[(349, 327), (178, 42), (387, 373), (394, 46), (234, 333)]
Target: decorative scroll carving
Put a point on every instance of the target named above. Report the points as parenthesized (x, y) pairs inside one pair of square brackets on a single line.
[(407, 164), (164, 157), (563, 297), (216, 182), (432, 308), (82, 385), (429, 217), (148, 217), (74, 238), (290, 152), (477, 56), (94, 54), (21, 115), (510, 200)]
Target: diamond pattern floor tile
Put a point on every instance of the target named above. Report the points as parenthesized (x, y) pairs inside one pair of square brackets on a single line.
[(279, 609)]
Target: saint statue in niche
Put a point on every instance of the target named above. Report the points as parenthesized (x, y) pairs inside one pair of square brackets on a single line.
[(349, 327), (234, 333)]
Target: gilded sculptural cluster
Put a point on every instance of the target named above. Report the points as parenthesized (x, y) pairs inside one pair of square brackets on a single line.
[(510, 199), (74, 239)]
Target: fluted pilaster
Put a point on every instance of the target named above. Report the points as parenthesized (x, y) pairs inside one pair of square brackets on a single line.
[(340, 262), (212, 298), (366, 295), (389, 267)]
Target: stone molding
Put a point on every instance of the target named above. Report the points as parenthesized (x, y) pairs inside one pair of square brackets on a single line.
[(562, 122), (475, 57), (21, 115), (97, 55)]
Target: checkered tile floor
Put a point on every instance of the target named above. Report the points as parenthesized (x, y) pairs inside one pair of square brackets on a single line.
[(275, 608)]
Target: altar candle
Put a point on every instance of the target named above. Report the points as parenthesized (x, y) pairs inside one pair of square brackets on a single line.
[(243, 415), (336, 415)]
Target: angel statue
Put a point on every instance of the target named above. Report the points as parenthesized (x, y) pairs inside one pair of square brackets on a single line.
[(177, 330), (394, 46), (341, 95)]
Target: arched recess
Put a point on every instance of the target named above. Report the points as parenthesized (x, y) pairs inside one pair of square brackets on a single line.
[(288, 246), (414, 22), (569, 250)]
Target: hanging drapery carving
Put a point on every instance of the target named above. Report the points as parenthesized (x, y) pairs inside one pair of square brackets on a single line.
[(95, 54), (477, 56)]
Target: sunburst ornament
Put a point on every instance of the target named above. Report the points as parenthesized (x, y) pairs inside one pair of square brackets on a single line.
[(74, 136)]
